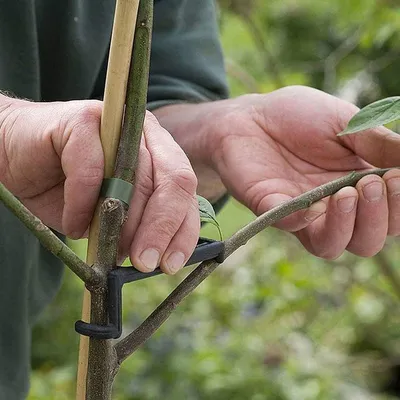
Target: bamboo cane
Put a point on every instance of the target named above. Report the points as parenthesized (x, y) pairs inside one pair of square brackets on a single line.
[(111, 121)]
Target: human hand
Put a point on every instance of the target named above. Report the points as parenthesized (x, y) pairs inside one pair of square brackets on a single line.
[(271, 148), (51, 159)]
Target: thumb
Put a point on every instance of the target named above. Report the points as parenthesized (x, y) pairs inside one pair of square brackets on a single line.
[(296, 221), (82, 161), (378, 146)]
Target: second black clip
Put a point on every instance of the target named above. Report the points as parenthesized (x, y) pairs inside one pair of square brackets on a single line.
[(206, 249)]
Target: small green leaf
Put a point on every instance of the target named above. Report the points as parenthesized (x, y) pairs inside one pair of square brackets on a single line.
[(207, 213), (376, 114)]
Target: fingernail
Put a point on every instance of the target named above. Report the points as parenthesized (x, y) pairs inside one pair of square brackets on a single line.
[(373, 191), (150, 259), (175, 262), (347, 204), (394, 186), (316, 210)]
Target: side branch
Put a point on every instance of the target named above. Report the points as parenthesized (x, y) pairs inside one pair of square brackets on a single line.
[(125, 347), (48, 239), (298, 203)]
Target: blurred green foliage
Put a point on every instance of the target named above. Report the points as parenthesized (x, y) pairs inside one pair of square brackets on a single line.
[(273, 322)]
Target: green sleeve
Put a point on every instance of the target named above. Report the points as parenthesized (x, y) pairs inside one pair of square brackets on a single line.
[(186, 57), (186, 61)]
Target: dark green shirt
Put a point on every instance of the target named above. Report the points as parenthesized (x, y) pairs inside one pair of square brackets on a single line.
[(57, 50)]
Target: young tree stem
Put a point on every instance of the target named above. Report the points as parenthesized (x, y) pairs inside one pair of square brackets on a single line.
[(110, 130), (102, 365), (102, 359)]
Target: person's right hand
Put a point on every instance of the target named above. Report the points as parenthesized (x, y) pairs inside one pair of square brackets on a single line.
[(51, 159)]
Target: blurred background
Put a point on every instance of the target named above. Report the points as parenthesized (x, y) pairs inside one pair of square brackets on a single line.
[(272, 322)]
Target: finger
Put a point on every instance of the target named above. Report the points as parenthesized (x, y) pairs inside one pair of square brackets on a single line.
[(143, 190), (162, 217), (296, 221), (378, 146), (371, 224), (82, 162), (50, 204), (329, 236), (183, 243), (174, 187), (167, 155), (392, 180)]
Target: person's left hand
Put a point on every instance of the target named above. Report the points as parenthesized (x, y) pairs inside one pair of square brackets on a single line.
[(270, 148)]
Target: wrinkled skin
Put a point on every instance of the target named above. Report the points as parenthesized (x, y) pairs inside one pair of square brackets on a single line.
[(51, 159), (276, 146), (264, 149)]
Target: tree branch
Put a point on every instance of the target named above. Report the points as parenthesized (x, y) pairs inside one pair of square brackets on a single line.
[(48, 239), (296, 204), (125, 347)]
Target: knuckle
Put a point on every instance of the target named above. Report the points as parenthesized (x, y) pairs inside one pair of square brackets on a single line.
[(185, 180), (86, 115)]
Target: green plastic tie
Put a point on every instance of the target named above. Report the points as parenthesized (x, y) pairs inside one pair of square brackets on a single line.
[(117, 189)]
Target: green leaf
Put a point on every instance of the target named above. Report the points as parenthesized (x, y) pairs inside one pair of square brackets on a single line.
[(207, 213), (376, 114)]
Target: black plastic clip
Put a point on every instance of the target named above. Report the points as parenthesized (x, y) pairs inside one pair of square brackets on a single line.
[(206, 249)]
